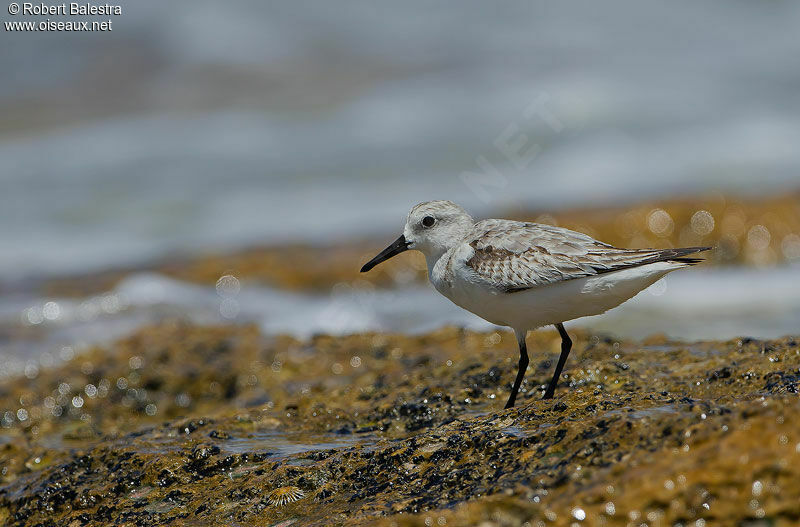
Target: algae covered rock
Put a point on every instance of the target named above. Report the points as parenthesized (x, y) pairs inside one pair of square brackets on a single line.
[(187, 425)]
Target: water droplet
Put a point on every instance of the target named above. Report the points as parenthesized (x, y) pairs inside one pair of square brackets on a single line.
[(31, 370), (183, 399), (66, 353), (110, 304), (702, 223), (790, 246), (51, 310), (135, 362), (660, 222), (757, 488), (758, 237), (493, 339), (32, 316), (228, 285)]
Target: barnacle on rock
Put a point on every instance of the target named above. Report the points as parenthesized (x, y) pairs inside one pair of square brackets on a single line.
[(284, 495)]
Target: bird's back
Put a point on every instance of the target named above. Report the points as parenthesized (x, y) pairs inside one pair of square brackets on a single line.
[(517, 273)]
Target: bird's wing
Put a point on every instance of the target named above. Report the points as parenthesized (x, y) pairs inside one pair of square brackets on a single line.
[(513, 256)]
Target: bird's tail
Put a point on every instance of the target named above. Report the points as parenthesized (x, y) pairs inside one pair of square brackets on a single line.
[(678, 255)]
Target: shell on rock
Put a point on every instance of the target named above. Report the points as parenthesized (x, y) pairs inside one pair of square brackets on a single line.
[(284, 495)]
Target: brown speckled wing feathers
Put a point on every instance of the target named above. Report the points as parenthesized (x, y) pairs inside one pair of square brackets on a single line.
[(513, 256)]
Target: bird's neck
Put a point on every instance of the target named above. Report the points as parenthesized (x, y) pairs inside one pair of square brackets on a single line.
[(433, 255), (440, 245)]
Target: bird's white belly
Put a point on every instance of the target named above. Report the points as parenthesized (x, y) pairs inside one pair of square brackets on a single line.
[(554, 303)]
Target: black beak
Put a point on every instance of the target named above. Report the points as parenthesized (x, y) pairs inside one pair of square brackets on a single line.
[(398, 246)]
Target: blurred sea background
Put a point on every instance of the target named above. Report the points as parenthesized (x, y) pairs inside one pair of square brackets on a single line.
[(196, 127)]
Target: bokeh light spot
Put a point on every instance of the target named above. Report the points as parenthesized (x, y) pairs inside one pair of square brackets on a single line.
[(702, 223), (660, 222)]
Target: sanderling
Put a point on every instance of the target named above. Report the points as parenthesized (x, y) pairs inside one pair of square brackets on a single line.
[(527, 275)]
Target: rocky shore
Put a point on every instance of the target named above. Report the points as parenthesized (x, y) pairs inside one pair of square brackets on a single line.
[(188, 425)]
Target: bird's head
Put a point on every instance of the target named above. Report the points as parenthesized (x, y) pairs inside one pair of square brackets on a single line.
[(432, 228)]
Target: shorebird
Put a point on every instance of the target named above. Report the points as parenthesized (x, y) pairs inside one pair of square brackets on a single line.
[(527, 275)]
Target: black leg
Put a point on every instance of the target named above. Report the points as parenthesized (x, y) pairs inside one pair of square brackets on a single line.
[(566, 345), (523, 365)]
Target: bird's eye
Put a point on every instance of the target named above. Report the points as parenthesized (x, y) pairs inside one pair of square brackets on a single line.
[(428, 221)]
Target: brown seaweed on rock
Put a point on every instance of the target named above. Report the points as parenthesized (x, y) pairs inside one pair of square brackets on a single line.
[(191, 425)]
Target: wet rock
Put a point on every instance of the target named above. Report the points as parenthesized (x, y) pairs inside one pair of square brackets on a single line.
[(722, 373), (783, 382), (711, 424)]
